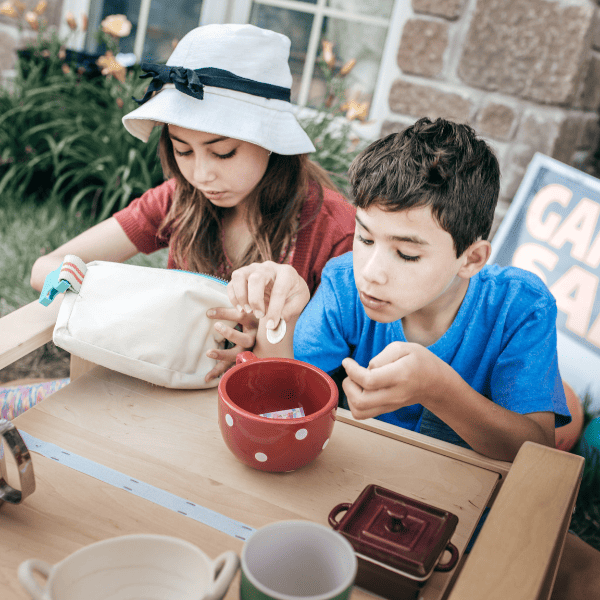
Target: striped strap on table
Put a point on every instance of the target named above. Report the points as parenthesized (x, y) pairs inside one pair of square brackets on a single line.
[(139, 488)]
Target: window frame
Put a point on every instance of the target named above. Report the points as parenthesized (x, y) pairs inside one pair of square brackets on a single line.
[(238, 11)]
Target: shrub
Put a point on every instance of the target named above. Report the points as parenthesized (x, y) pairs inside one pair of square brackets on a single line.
[(329, 127), (61, 136), (62, 139)]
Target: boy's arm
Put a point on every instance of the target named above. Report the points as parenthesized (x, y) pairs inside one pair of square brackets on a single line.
[(405, 374)]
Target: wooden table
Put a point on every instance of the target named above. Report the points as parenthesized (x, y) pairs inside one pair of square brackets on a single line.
[(171, 440)]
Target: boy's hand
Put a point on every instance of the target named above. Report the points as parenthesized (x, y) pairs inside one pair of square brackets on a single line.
[(270, 291), (242, 340), (401, 375)]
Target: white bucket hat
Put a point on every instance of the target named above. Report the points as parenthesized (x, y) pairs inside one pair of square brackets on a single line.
[(230, 80)]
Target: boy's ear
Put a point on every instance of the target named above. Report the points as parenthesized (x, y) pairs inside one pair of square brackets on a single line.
[(475, 257)]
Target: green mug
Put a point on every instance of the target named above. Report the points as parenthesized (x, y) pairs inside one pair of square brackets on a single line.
[(297, 560)]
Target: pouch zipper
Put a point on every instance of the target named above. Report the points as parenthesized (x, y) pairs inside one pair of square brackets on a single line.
[(213, 277)]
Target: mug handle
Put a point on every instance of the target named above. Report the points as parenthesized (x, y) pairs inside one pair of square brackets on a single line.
[(26, 571), (336, 510), (451, 561), (227, 563), (245, 357)]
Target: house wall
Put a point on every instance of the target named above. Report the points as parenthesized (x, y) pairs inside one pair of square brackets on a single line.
[(524, 73)]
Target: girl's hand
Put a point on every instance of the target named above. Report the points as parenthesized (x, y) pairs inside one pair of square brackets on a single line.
[(269, 291), (241, 340)]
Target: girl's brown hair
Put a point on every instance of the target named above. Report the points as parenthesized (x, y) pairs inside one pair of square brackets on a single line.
[(195, 224)]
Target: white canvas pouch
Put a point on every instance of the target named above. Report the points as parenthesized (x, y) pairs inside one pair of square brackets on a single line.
[(145, 322)]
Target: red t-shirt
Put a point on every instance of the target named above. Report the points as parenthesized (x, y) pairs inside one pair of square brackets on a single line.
[(326, 235)]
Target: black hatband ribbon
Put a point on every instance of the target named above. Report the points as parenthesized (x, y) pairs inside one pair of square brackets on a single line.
[(192, 82)]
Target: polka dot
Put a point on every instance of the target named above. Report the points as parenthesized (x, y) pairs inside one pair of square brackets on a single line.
[(301, 434), (325, 444), (229, 420), (260, 457)]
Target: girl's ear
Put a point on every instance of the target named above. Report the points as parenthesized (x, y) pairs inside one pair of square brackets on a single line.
[(475, 257)]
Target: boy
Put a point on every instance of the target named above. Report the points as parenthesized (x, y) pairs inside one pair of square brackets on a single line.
[(431, 339)]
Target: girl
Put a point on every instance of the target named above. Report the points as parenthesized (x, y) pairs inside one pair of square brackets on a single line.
[(241, 188)]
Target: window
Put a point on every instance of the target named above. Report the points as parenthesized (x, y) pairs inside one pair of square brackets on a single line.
[(366, 30), (156, 24), (357, 28)]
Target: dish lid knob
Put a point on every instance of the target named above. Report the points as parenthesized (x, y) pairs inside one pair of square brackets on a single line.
[(396, 522)]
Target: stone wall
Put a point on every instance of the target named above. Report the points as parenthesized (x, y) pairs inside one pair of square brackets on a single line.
[(524, 73), (15, 33)]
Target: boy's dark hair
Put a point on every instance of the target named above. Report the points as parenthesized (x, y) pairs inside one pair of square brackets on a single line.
[(440, 164)]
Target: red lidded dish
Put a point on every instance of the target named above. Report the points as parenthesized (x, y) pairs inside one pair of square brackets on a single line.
[(398, 541)]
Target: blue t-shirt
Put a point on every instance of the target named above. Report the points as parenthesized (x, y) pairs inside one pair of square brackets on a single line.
[(502, 341)]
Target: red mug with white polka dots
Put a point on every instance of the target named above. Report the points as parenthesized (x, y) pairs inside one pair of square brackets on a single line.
[(259, 386)]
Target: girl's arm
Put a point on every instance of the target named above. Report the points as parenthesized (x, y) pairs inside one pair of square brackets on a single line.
[(262, 294), (270, 292), (105, 241)]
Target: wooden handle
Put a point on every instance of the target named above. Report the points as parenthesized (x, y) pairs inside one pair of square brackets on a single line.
[(26, 329), (516, 555)]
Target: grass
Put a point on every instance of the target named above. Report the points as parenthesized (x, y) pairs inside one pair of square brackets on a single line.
[(29, 228), (27, 231)]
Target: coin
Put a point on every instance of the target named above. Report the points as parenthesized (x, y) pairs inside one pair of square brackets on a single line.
[(274, 336)]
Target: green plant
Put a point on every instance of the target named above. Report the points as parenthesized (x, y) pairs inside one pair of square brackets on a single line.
[(586, 518), (335, 145), (329, 126), (62, 138)]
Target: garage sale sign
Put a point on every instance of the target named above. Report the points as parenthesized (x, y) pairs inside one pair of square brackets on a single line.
[(552, 229)]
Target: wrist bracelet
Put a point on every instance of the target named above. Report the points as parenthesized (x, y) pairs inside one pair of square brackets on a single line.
[(14, 441)]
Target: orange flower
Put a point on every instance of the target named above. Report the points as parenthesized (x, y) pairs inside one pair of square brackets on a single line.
[(328, 55), (6, 8), (32, 20), (110, 66), (347, 67), (40, 7), (355, 110), (71, 22), (116, 25), (65, 68), (62, 53), (354, 141), (120, 102), (84, 22)]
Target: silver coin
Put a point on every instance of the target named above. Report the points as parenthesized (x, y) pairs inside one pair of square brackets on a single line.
[(274, 336)]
